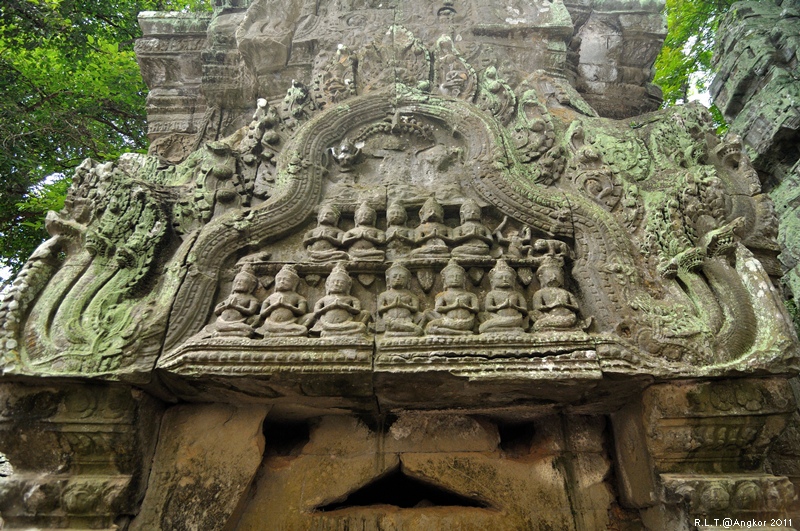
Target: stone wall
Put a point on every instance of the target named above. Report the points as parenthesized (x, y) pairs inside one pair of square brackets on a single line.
[(757, 90), (404, 265)]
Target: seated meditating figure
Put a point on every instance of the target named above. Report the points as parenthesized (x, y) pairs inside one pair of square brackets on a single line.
[(361, 240), (398, 306), (338, 313), (235, 312), (399, 238), (505, 307), (455, 308), (472, 238), (553, 307), (324, 241), (432, 235), (283, 309)]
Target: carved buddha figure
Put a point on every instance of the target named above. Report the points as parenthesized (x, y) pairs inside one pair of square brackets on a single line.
[(505, 306), (399, 238), (362, 239), (553, 306), (455, 308), (472, 237), (234, 312), (432, 235), (398, 306), (338, 313), (282, 310), (324, 241)]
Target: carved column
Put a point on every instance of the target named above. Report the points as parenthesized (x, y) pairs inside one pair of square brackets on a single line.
[(169, 57), (78, 455), (694, 452)]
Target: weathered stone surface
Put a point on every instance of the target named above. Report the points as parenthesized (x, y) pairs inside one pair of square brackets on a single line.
[(76, 455), (757, 91), (706, 444), (511, 485), (206, 459), (415, 234)]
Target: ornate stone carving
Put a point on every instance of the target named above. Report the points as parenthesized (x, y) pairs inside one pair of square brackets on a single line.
[(552, 306), (363, 239), (395, 168), (456, 308), (284, 309), (399, 238), (398, 306), (323, 243), (431, 236), (505, 307), (338, 313), (240, 307), (472, 237)]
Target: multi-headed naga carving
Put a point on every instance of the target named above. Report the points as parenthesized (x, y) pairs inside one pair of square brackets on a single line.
[(439, 161)]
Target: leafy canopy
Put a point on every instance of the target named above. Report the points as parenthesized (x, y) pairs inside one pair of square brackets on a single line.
[(683, 68), (71, 89)]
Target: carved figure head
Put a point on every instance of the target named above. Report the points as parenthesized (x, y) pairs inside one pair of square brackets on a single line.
[(328, 215), (502, 275), (453, 276), (338, 281), (287, 278), (470, 211), (244, 281), (397, 277), (431, 211), (396, 214), (365, 215), (551, 273)]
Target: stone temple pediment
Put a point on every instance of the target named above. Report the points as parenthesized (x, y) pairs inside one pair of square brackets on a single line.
[(391, 206)]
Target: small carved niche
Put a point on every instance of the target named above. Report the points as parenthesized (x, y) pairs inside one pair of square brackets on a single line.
[(400, 490), (285, 439), (516, 439)]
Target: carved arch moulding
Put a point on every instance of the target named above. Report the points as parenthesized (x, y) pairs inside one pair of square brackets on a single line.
[(634, 247)]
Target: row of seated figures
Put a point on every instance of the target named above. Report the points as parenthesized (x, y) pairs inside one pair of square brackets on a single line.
[(432, 238), (457, 311)]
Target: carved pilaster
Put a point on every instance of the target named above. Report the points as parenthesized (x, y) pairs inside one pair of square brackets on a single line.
[(79, 454), (697, 450)]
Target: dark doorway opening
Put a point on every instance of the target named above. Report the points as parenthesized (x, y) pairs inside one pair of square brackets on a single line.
[(400, 490)]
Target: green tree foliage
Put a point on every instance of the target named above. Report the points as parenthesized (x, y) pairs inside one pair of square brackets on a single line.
[(683, 67), (70, 89)]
